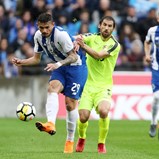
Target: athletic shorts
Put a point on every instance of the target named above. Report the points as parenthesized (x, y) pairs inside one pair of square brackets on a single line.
[(91, 97), (155, 80), (73, 79)]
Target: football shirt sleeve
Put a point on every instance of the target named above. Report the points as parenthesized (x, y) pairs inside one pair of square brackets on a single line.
[(148, 36), (65, 41), (87, 38), (37, 47)]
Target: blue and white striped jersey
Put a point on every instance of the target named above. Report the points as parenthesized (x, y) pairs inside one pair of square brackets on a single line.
[(56, 46), (153, 37)]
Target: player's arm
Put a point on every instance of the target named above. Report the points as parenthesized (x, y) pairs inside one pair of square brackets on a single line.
[(34, 59), (147, 48), (71, 58), (97, 55), (26, 62)]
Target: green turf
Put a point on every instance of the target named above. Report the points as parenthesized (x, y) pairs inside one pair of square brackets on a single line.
[(126, 140)]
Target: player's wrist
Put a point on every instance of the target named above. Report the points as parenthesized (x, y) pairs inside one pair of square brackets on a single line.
[(58, 64), (84, 46)]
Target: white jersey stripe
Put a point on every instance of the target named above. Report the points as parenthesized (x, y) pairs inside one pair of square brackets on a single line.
[(153, 37)]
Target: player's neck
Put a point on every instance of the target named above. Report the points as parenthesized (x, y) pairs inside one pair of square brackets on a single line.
[(105, 39)]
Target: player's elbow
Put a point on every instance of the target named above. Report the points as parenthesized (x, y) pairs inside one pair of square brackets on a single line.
[(99, 56), (146, 43), (74, 58), (37, 58), (38, 61)]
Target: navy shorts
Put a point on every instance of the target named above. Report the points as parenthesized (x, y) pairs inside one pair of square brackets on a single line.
[(155, 80), (73, 79)]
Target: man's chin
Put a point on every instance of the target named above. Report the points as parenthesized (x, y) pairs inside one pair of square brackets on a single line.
[(45, 35)]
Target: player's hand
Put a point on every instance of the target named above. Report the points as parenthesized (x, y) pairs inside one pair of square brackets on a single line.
[(148, 59), (76, 46), (80, 40), (79, 36), (51, 67), (16, 61)]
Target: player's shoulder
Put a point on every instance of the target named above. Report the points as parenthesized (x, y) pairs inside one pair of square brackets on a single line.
[(115, 39), (91, 34), (87, 34), (91, 37), (114, 44), (154, 28), (37, 34), (60, 30)]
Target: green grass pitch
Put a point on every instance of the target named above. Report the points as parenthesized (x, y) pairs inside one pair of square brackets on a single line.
[(126, 140)]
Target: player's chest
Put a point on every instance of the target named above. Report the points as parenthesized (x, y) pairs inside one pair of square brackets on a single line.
[(99, 45), (51, 46)]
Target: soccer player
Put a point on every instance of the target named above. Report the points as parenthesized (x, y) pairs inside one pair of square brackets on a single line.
[(151, 47), (102, 50), (69, 73)]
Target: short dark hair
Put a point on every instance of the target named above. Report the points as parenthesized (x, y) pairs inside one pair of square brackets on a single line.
[(107, 18), (44, 17)]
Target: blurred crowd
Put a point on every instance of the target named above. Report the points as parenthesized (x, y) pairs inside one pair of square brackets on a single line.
[(18, 25)]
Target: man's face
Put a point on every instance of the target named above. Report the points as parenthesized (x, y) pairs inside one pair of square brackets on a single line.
[(46, 28), (106, 28)]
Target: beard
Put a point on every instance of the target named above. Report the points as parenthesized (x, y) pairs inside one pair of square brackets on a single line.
[(45, 35), (106, 35)]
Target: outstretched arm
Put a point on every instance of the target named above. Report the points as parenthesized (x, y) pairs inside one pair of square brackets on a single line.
[(26, 62), (147, 48), (97, 55)]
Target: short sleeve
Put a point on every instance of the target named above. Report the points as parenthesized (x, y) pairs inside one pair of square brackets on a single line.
[(65, 41), (148, 36), (87, 37), (37, 47)]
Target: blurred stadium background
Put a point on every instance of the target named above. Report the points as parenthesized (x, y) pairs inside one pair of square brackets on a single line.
[(132, 91), (132, 95)]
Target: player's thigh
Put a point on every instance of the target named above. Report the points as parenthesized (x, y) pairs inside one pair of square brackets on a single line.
[(57, 80), (155, 86), (155, 80), (75, 79), (86, 101), (102, 99), (55, 86)]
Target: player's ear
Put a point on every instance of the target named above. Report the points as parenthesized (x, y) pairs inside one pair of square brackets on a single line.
[(98, 26), (53, 23)]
